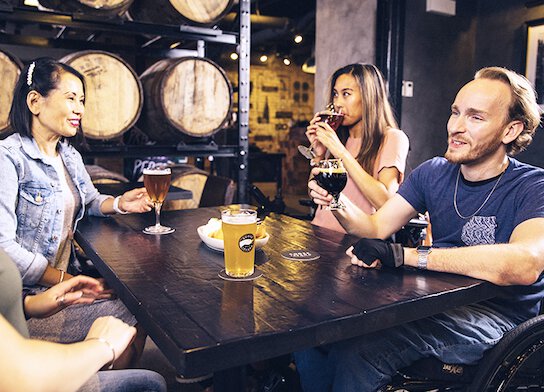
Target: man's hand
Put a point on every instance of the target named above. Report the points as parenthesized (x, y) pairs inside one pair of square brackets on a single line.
[(368, 252), (78, 290)]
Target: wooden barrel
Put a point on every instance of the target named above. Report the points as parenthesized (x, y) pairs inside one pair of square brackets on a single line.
[(187, 177), (10, 69), (101, 175), (99, 8), (176, 12), (185, 96), (114, 95)]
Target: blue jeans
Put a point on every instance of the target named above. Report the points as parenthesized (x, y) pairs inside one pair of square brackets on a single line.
[(130, 380), (367, 363)]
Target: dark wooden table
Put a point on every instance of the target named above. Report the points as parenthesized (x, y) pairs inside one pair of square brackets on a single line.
[(204, 324), (174, 193)]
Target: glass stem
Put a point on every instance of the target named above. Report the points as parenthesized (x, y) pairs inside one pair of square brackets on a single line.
[(158, 214)]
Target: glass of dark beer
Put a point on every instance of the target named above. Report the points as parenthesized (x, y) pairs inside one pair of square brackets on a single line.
[(157, 182), (333, 178)]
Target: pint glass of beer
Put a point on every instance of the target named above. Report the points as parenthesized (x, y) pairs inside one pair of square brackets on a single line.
[(157, 182), (239, 228)]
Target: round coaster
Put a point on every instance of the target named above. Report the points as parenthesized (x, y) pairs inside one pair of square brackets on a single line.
[(256, 274), (300, 255), (163, 230)]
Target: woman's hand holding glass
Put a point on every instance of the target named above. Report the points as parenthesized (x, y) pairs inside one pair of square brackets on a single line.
[(135, 201), (326, 136), (317, 147), (321, 132), (319, 195)]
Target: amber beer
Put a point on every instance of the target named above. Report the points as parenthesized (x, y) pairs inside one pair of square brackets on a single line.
[(239, 229), (157, 183)]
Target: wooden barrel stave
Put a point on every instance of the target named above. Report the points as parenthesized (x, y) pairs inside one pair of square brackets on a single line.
[(187, 177), (109, 110), (99, 8), (101, 175), (10, 69), (204, 13), (189, 96)]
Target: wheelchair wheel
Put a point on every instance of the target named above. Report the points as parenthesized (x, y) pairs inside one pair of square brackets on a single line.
[(516, 363)]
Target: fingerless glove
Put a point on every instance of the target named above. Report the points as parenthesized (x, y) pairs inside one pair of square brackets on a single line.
[(369, 249)]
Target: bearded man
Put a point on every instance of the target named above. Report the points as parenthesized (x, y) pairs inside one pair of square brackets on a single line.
[(487, 215)]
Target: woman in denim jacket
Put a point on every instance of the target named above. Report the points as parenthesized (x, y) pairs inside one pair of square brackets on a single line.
[(45, 190)]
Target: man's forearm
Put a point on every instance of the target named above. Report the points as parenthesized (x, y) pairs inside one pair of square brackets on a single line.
[(355, 221), (487, 262)]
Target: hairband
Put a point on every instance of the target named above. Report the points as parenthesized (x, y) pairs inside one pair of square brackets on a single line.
[(29, 73)]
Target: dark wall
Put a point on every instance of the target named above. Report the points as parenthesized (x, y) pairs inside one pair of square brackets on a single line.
[(438, 58), (442, 53), (501, 40)]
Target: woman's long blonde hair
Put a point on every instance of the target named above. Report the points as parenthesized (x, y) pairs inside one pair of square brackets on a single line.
[(377, 111)]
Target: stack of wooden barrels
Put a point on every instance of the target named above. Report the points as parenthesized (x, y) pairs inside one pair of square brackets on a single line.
[(173, 100)]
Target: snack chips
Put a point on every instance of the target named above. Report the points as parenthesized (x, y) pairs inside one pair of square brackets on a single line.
[(214, 230)]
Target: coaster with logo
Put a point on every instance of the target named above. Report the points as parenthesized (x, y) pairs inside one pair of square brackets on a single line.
[(300, 255), (256, 274)]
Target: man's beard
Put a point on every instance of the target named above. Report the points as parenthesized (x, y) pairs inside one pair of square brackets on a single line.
[(475, 154)]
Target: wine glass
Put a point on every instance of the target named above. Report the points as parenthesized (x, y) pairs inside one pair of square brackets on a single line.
[(333, 178), (330, 116), (157, 183)]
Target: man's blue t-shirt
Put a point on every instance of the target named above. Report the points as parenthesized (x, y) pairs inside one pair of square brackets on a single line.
[(516, 197)]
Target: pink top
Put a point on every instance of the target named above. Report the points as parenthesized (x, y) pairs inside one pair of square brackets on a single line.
[(393, 153)]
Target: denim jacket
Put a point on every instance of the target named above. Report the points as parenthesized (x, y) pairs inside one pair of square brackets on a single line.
[(31, 203)]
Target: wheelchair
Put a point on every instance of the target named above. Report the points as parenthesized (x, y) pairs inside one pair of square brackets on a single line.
[(516, 363)]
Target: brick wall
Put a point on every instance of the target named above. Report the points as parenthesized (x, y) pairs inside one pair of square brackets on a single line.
[(281, 96), (281, 105)]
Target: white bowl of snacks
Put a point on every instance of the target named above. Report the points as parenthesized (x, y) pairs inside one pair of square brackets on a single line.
[(212, 235)]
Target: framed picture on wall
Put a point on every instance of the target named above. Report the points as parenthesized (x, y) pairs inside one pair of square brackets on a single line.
[(534, 60)]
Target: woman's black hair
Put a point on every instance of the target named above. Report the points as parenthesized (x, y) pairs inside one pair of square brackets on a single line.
[(41, 75)]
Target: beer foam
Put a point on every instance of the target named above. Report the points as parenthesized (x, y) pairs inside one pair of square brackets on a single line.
[(239, 217), (332, 170), (157, 172)]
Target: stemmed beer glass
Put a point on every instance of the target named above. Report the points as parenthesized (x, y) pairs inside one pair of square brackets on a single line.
[(157, 183), (330, 116), (333, 178)]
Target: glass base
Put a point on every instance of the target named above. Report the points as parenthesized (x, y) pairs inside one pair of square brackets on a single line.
[(158, 230), (336, 206), (256, 274)]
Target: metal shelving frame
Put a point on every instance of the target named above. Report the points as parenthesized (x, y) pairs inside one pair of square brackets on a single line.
[(30, 16)]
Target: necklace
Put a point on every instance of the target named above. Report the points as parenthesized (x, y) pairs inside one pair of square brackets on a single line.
[(479, 208)]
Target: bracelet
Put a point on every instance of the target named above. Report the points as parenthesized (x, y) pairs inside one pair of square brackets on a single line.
[(116, 206), (61, 275), (110, 347)]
